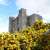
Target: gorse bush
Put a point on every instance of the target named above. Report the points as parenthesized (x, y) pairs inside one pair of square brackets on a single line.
[(35, 37)]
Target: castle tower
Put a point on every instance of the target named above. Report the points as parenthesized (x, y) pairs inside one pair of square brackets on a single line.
[(11, 24), (22, 18), (22, 12)]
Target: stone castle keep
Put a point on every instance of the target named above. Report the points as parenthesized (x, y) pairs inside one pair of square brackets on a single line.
[(22, 20)]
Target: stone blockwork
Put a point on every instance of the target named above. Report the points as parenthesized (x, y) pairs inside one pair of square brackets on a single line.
[(22, 20)]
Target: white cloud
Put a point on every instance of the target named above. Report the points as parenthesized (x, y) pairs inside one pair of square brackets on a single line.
[(3, 29), (35, 6), (3, 24), (3, 2), (32, 4)]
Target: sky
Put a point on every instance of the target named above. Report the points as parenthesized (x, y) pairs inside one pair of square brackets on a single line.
[(11, 8)]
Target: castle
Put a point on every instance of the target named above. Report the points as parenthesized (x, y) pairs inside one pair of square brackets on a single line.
[(22, 20)]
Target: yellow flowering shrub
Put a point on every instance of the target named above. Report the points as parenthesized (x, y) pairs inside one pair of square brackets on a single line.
[(35, 37)]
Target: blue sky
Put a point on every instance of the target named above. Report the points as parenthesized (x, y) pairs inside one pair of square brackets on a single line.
[(11, 8)]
